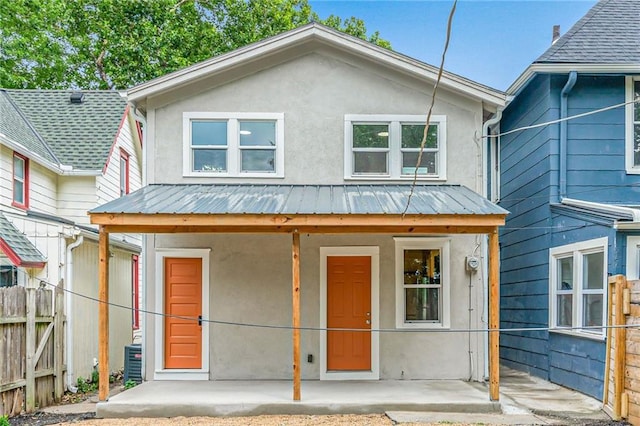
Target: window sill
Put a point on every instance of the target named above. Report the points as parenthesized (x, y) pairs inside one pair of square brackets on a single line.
[(633, 171), (422, 326), (19, 206), (232, 176), (590, 336), (397, 178)]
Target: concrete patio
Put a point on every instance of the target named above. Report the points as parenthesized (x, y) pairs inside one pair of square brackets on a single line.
[(239, 398)]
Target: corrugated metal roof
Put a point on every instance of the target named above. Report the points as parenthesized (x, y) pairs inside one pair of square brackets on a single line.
[(26, 252), (301, 199)]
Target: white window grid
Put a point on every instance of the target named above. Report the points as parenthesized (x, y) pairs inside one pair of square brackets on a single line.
[(394, 149), (232, 147), (423, 243), (577, 252), (630, 133)]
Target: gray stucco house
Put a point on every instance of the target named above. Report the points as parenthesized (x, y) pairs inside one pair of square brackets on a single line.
[(279, 176)]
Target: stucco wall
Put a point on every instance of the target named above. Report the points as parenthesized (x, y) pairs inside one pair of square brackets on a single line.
[(250, 282), (315, 92)]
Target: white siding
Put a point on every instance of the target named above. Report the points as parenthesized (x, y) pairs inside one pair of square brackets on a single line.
[(42, 184), (85, 311), (76, 196), (108, 184)]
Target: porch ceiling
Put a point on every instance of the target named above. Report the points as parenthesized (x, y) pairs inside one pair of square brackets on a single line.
[(302, 208)]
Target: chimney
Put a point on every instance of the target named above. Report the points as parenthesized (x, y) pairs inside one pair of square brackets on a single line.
[(556, 34), (76, 98)]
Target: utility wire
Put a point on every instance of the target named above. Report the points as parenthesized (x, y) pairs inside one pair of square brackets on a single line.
[(559, 120), (378, 330), (433, 101)]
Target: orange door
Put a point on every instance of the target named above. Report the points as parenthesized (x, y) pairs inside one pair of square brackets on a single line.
[(182, 298), (349, 306)]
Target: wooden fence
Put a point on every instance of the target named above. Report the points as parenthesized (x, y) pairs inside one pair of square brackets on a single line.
[(31, 349), (621, 397)]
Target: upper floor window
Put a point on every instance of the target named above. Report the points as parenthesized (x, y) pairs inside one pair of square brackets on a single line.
[(578, 286), (233, 144), (632, 154), (20, 181), (422, 282), (388, 147), (124, 172)]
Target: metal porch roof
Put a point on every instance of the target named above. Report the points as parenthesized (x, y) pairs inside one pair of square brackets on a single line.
[(207, 199)]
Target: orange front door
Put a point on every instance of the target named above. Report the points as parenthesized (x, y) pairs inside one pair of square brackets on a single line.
[(349, 306), (182, 299)]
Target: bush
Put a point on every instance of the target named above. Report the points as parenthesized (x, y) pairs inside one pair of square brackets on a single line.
[(129, 384), (4, 421)]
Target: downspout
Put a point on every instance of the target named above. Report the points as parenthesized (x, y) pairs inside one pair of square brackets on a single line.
[(142, 266), (485, 246), (562, 159), (71, 383)]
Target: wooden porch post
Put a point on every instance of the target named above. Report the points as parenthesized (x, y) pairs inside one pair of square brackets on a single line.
[(295, 257), (494, 316), (103, 315)]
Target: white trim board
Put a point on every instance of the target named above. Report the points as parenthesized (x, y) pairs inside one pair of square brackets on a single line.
[(374, 253), (160, 372), (633, 257)]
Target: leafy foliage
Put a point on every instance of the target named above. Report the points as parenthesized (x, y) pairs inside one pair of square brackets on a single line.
[(116, 44), (4, 421), (130, 384)]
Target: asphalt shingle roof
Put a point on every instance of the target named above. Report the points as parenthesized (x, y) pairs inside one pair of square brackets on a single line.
[(301, 199), (19, 243), (608, 34), (79, 135)]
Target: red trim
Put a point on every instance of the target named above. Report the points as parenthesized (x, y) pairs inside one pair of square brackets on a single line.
[(25, 187), (139, 130), (15, 259), (124, 155), (136, 291), (115, 139)]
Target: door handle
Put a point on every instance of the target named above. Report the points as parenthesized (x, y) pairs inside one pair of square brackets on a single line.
[(200, 320), (367, 321)]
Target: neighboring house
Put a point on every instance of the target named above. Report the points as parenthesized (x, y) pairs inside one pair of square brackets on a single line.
[(572, 191), (63, 153), (285, 167)]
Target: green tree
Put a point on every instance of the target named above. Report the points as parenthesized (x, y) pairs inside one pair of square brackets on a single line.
[(116, 44)]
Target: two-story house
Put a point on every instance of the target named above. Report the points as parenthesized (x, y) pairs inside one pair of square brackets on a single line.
[(63, 153), (570, 180), (282, 217)]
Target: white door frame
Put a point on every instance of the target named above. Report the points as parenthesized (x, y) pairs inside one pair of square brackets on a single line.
[(160, 372), (374, 253)]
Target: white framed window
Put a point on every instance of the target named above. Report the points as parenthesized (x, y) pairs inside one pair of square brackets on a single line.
[(632, 128), (633, 257), (388, 146), (233, 144), (422, 282), (578, 287)]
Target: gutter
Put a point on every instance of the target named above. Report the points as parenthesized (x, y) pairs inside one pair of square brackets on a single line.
[(562, 158), (71, 385), (607, 208)]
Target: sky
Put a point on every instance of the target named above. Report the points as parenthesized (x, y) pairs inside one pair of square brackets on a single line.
[(492, 41)]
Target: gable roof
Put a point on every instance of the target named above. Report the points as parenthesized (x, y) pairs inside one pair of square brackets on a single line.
[(47, 124), (608, 34), (301, 41), (605, 40)]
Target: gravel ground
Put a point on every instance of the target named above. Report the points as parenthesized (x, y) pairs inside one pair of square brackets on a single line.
[(88, 419)]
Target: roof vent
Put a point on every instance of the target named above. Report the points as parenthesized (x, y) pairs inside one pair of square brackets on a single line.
[(556, 34), (77, 98)]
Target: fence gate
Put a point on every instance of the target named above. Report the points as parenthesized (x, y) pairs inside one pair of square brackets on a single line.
[(31, 348)]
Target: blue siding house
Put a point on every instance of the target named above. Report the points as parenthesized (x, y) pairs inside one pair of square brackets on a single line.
[(573, 189)]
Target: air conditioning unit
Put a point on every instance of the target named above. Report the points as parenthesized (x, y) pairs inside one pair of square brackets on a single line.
[(133, 363)]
